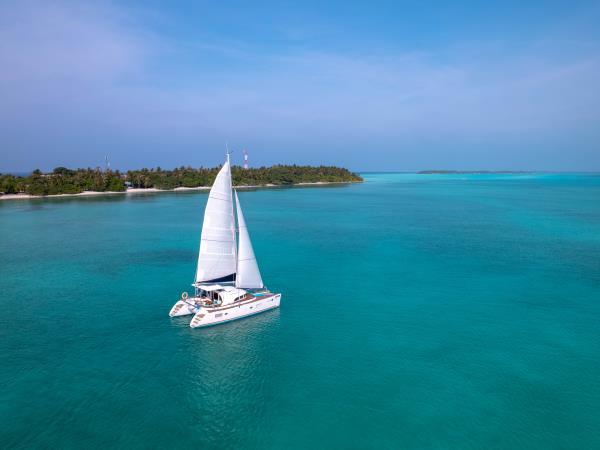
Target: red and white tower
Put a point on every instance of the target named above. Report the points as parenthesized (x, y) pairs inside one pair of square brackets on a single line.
[(245, 159)]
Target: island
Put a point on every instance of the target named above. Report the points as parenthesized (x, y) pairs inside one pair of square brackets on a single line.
[(63, 181)]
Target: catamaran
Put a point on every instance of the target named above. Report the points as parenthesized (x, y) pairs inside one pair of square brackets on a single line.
[(228, 284)]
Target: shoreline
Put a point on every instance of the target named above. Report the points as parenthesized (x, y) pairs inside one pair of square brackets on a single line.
[(133, 191)]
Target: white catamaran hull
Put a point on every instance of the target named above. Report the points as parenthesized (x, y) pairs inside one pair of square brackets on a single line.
[(183, 308), (213, 316)]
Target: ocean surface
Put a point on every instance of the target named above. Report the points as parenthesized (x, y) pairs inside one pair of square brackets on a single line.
[(418, 312)]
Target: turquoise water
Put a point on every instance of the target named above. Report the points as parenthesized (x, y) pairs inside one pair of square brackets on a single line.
[(418, 311)]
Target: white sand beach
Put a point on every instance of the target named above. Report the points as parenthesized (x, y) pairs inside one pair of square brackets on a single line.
[(154, 190)]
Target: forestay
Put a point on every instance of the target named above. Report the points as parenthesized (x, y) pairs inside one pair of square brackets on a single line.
[(217, 258), (248, 275)]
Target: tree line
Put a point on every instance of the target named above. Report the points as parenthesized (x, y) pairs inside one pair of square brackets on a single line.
[(72, 181)]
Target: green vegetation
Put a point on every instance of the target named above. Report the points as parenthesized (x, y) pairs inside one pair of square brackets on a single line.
[(67, 181), (278, 175), (63, 181)]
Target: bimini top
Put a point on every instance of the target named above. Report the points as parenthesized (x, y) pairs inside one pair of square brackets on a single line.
[(208, 287)]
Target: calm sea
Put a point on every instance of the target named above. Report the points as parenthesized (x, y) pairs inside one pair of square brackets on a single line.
[(418, 312)]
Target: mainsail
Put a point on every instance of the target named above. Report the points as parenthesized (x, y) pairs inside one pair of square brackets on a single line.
[(248, 275), (217, 258)]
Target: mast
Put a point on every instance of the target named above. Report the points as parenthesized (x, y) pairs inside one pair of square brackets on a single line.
[(233, 229)]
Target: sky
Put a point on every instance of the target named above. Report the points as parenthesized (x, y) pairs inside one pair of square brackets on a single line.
[(372, 86)]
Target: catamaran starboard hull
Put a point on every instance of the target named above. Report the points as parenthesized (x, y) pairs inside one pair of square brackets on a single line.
[(206, 317)]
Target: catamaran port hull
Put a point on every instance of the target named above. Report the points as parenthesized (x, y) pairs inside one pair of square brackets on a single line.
[(213, 316), (183, 308)]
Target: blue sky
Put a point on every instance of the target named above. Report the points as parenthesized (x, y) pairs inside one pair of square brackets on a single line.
[(367, 85)]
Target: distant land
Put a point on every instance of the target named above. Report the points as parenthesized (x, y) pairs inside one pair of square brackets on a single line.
[(446, 172), (63, 181)]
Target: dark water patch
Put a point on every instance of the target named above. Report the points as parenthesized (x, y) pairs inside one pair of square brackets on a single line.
[(32, 206), (161, 258)]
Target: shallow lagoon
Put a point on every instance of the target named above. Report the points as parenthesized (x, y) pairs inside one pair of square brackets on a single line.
[(418, 311)]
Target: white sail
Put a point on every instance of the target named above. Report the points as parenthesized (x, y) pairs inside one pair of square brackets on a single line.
[(217, 258), (248, 275)]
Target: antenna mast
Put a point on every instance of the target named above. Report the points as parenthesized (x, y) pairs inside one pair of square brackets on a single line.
[(227, 152)]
